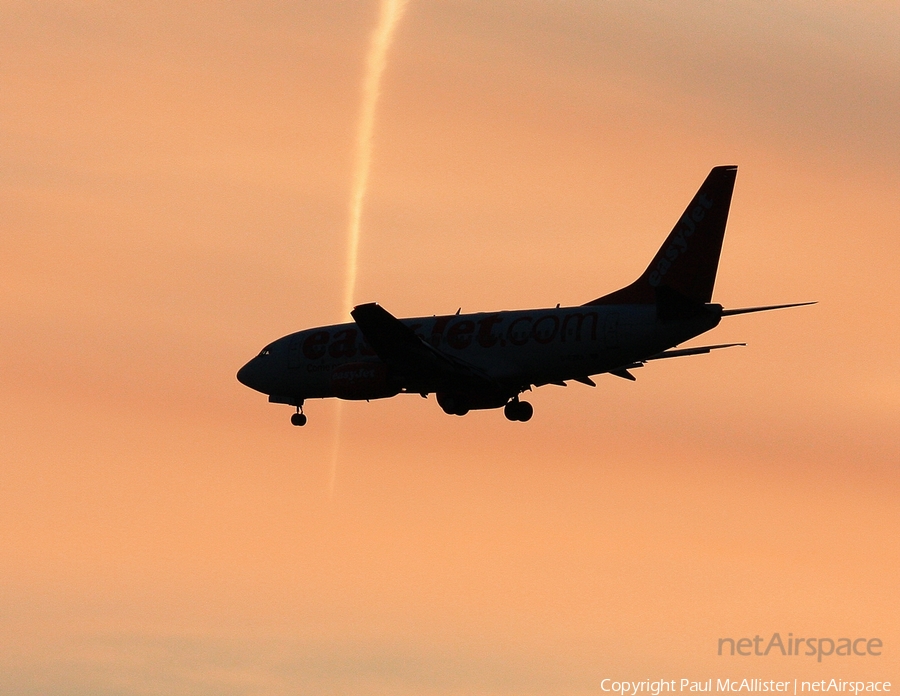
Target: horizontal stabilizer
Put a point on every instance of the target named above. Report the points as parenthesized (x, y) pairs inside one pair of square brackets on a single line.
[(749, 310)]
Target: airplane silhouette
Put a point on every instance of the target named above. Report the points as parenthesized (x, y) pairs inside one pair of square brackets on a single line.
[(486, 360)]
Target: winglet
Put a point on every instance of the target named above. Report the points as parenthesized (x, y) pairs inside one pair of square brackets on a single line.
[(408, 355), (387, 335)]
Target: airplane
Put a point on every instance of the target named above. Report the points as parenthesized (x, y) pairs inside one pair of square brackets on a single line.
[(488, 359)]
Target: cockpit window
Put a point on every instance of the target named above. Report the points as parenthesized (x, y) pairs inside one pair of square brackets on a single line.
[(266, 351)]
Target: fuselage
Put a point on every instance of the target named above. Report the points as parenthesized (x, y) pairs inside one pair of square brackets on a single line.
[(513, 349)]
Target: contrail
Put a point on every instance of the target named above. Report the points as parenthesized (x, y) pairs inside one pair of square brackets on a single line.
[(391, 11), (376, 60)]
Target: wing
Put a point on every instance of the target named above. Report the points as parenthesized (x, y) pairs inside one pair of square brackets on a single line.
[(677, 353), (699, 350), (413, 360)]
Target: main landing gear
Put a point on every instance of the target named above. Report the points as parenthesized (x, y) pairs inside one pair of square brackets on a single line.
[(298, 418), (517, 410)]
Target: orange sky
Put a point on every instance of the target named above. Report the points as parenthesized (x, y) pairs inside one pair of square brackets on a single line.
[(174, 191)]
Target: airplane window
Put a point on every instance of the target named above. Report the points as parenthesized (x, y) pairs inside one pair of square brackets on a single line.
[(265, 351)]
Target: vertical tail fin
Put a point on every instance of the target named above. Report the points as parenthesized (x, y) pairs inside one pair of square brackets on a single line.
[(685, 265)]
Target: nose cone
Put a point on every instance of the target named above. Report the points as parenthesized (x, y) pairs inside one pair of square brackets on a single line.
[(251, 375)]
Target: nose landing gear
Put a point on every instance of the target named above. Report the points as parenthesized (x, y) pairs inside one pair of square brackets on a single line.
[(517, 410), (298, 418)]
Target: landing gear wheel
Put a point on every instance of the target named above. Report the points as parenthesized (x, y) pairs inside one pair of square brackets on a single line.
[(526, 411), (518, 411), (298, 419)]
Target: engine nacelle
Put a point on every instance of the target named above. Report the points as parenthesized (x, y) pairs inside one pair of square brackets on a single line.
[(461, 404)]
